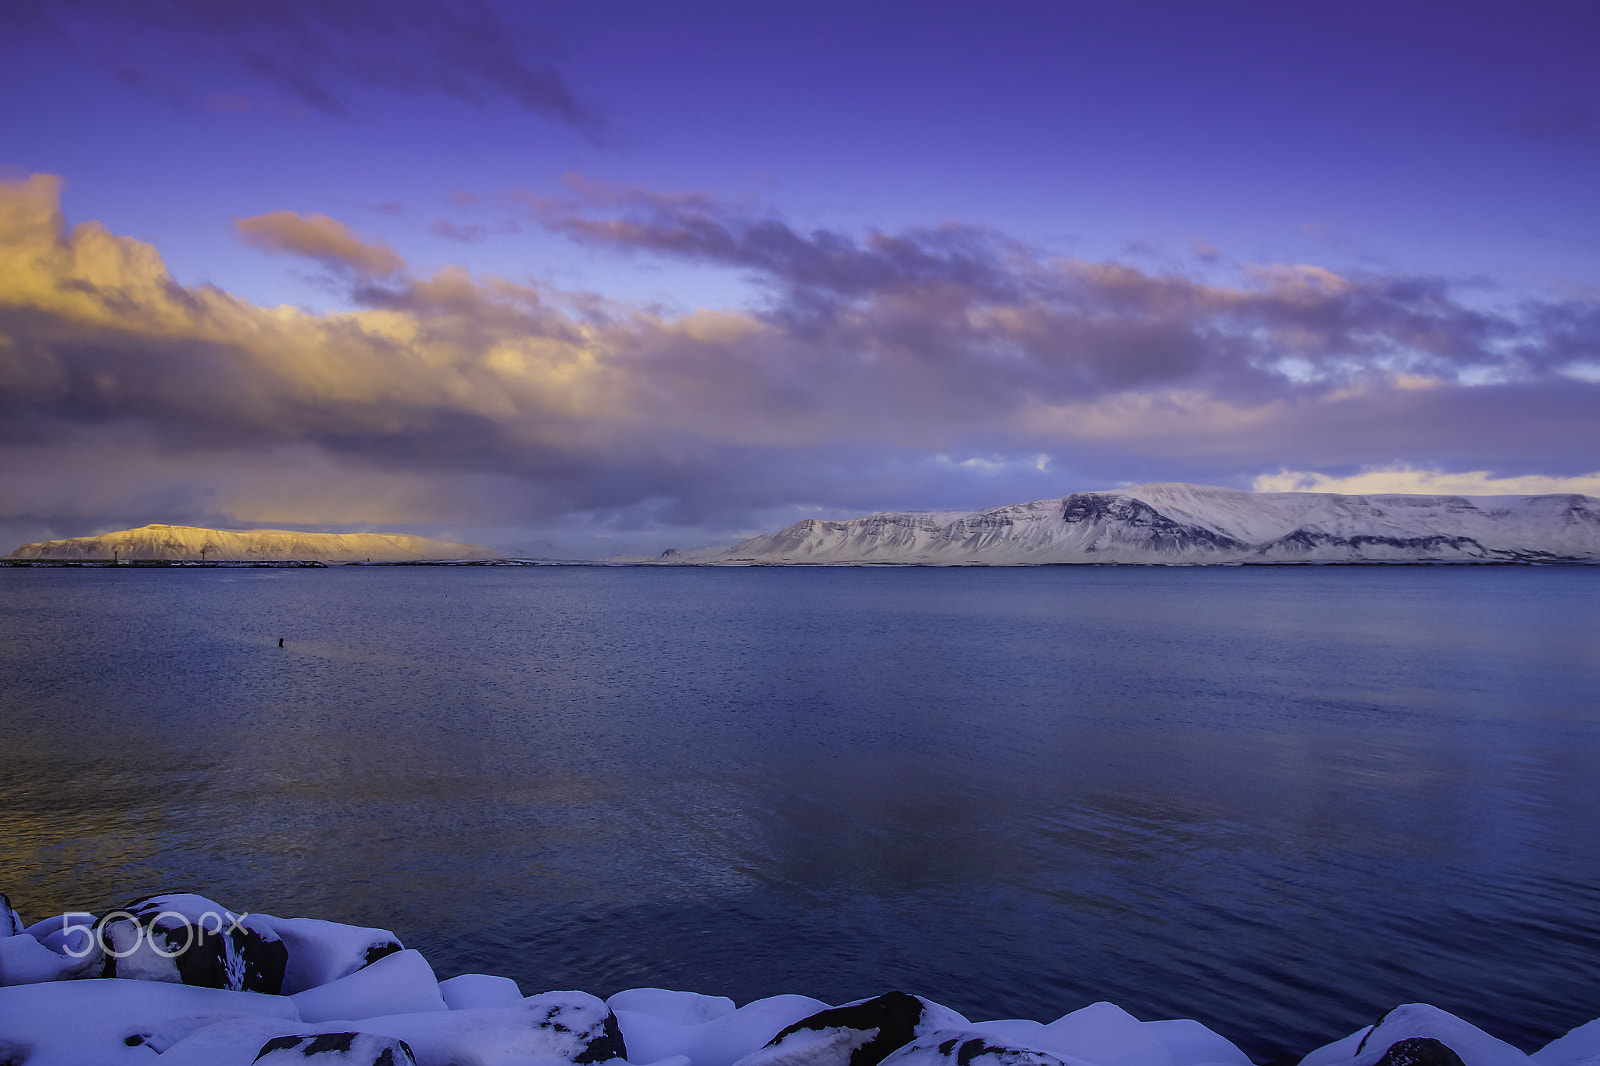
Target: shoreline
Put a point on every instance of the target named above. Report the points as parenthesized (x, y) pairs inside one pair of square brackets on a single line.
[(182, 981)]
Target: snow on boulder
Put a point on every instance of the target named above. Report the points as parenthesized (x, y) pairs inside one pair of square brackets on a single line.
[(345, 1049), (402, 983), (1193, 1044), (1104, 1034), (680, 1008), (1340, 1051), (963, 1047), (191, 940), (719, 1042), (231, 1042), (1474, 1046), (1581, 1047), (571, 1027), (1023, 1032), (479, 990), (321, 951), (861, 1033), (10, 920), (25, 961), (75, 1023), (1413, 1021)]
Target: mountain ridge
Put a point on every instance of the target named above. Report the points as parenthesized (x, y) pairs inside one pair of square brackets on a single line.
[(1180, 524)]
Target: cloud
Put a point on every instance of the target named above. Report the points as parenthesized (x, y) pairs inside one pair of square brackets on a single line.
[(1399, 478), (318, 237), (938, 367), (319, 55), (470, 234)]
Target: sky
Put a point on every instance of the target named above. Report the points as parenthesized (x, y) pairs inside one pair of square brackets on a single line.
[(616, 277)]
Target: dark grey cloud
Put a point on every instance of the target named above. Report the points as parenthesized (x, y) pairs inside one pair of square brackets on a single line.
[(316, 54)]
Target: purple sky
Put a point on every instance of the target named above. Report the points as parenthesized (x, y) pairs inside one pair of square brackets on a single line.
[(624, 276)]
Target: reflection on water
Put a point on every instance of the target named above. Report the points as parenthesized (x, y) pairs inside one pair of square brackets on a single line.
[(1280, 801)]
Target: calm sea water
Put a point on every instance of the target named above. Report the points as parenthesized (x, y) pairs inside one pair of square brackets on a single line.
[(1277, 800)]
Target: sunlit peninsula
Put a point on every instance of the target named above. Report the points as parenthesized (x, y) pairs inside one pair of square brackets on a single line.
[(195, 544)]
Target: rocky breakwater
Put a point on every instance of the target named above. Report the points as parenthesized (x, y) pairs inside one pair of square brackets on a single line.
[(179, 980)]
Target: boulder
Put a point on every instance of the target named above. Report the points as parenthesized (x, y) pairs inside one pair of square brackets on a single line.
[(1580, 1047), (402, 983), (345, 1049), (1410, 1021), (479, 990), (10, 920), (962, 1047), (25, 961), (1106, 1035), (191, 940), (861, 1033), (572, 1027), (1419, 1051), (104, 1022), (680, 1008), (719, 1042), (321, 951)]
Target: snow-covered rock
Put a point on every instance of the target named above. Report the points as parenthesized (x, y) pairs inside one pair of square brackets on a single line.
[(472, 990), (10, 920), (94, 1022), (194, 544), (1177, 523), (962, 1047), (1415, 1022), (191, 940), (719, 1042), (321, 951), (336, 1049), (861, 1033), (402, 983), (1580, 1047), (569, 1027), (25, 961), (680, 1008), (1192, 1044)]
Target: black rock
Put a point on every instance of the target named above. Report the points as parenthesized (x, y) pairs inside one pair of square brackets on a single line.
[(594, 1036), (873, 1029), (954, 1048), (1420, 1051), (10, 920), (354, 1049), (190, 940)]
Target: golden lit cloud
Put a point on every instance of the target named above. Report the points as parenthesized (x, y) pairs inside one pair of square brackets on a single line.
[(318, 237), (1404, 479)]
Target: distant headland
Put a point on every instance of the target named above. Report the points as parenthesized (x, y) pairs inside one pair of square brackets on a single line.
[(192, 544)]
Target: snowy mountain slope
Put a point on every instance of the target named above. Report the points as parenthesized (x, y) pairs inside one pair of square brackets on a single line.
[(1177, 523), (255, 545)]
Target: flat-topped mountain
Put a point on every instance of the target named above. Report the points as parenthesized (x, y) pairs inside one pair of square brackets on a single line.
[(191, 543), (1177, 523)]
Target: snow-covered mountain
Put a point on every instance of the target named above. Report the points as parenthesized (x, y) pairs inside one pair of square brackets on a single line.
[(186, 543), (1176, 523)]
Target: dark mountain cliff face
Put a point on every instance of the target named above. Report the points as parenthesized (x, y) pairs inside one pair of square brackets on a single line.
[(1436, 545), (1137, 523)]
